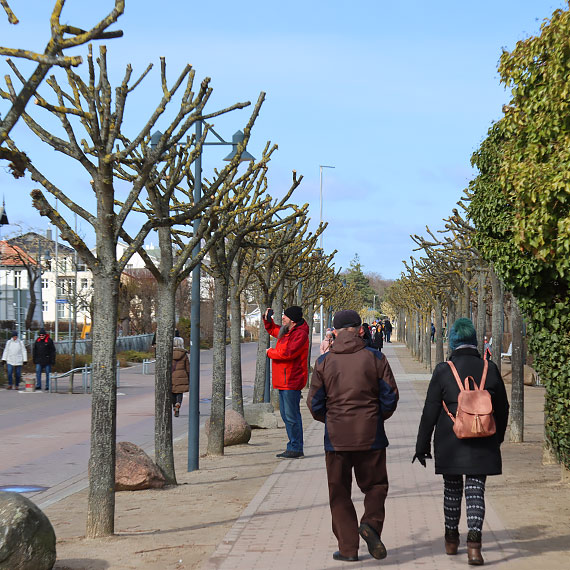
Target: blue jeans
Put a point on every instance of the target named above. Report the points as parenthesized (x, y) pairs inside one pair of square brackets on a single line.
[(289, 401), (39, 367), (10, 368)]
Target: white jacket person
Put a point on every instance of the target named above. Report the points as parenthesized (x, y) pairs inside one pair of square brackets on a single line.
[(15, 352)]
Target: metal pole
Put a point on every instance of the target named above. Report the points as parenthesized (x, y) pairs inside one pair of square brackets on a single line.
[(41, 299), (321, 242), (56, 283), (321, 328), (194, 390)]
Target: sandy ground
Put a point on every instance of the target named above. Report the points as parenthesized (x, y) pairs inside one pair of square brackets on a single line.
[(180, 527)]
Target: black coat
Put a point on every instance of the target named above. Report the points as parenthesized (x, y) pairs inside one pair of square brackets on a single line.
[(43, 351), (453, 456)]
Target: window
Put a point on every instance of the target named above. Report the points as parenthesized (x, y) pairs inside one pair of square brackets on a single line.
[(61, 310), (84, 283), (45, 283), (17, 279), (61, 264), (45, 306)]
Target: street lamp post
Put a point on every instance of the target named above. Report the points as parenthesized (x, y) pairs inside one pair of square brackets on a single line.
[(321, 239), (194, 389)]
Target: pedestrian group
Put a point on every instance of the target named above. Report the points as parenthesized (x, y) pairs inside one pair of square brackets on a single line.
[(353, 392)]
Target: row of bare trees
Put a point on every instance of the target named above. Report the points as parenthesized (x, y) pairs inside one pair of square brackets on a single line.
[(248, 235), (448, 280)]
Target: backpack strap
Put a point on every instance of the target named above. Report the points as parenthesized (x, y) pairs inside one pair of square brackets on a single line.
[(475, 387), (484, 377), (456, 374)]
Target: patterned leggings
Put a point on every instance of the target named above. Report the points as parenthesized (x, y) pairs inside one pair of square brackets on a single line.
[(474, 500)]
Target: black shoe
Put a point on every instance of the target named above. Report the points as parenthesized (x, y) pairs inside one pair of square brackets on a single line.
[(338, 556), (290, 455), (375, 546)]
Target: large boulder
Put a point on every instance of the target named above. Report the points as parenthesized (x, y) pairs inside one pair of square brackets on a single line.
[(260, 415), (27, 539), (530, 375), (135, 470), (236, 430)]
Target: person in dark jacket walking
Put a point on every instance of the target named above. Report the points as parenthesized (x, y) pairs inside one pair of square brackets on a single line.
[(378, 339), (289, 372), (353, 392), (180, 374), (388, 330), (43, 354), (464, 463)]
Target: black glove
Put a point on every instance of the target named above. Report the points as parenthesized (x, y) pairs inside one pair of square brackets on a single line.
[(421, 457)]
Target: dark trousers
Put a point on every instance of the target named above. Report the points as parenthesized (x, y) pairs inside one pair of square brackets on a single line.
[(177, 398), (372, 479)]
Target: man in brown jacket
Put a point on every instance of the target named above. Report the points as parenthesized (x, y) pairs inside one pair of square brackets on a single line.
[(353, 391)]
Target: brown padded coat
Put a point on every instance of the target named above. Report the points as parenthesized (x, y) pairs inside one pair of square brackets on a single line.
[(180, 371), (353, 391)]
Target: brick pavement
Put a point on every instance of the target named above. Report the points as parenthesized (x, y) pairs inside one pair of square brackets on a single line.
[(287, 524)]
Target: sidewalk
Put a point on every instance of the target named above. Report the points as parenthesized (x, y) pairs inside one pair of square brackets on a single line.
[(287, 524)]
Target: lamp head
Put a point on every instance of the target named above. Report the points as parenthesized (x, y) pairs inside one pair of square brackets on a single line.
[(237, 138)]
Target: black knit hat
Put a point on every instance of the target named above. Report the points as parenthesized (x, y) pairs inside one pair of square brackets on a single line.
[(346, 318), (42, 331), (294, 313)]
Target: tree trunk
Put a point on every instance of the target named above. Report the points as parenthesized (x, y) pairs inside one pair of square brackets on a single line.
[(235, 336), (33, 300), (517, 366), (261, 359), (438, 332), (497, 319), (218, 408), (481, 310), (310, 321), (101, 500), (427, 341), (165, 324), (451, 314), (466, 295)]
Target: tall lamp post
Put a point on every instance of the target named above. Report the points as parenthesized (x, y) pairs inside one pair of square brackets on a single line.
[(321, 240), (194, 390)]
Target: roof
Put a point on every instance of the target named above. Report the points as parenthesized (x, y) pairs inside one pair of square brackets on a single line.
[(14, 256)]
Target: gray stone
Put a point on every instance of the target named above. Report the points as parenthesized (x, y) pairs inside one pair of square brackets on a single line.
[(260, 416), (530, 375), (27, 538), (236, 430), (135, 470)]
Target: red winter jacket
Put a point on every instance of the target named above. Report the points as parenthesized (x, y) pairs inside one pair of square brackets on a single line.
[(289, 357)]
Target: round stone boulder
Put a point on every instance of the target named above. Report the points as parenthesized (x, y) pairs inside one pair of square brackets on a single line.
[(27, 538), (236, 430)]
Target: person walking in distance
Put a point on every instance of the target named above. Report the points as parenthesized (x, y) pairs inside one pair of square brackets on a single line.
[(327, 342), (180, 374), (43, 354), (353, 392), (464, 462), (388, 330), (14, 355), (289, 372)]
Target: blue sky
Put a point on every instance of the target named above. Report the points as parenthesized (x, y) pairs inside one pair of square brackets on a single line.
[(395, 95)]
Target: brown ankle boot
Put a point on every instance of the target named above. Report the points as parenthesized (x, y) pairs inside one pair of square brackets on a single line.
[(451, 541), (474, 554)]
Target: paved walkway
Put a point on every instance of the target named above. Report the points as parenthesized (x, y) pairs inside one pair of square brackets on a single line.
[(287, 525)]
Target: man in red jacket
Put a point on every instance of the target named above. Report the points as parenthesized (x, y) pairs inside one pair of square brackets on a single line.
[(289, 370)]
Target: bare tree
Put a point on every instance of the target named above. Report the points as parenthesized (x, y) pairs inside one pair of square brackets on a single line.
[(93, 111), (252, 213)]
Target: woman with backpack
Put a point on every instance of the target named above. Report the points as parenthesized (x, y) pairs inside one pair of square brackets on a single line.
[(466, 460)]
